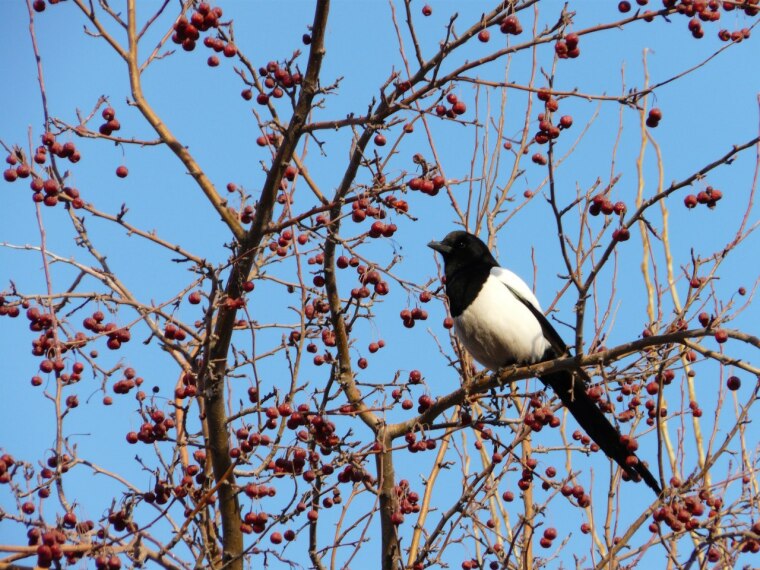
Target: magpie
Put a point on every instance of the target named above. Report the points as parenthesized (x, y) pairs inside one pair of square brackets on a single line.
[(499, 321)]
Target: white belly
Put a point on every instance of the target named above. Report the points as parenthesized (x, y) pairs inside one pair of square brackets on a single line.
[(497, 329)]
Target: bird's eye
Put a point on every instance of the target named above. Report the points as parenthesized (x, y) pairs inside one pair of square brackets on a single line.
[(460, 244)]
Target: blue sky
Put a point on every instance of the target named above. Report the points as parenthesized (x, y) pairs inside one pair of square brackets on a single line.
[(705, 113)]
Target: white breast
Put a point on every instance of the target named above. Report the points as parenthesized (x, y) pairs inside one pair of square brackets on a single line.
[(496, 328)]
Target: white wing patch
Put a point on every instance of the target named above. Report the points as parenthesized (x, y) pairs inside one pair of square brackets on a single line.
[(511, 279), (497, 329)]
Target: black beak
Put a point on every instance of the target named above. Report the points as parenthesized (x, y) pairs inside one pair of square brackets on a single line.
[(440, 247)]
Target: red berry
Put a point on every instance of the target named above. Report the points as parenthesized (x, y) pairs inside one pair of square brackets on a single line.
[(122, 171), (380, 139), (427, 10), (624, 6), (621, 234), (484, 36), (733, 383)]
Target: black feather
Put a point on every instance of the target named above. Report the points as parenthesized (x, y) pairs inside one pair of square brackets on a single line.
[(468, 266), (573, 394)]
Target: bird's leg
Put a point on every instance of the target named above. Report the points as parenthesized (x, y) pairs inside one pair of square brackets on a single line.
[(506, 371)]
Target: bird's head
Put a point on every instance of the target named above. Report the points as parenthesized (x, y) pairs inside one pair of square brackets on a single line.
[(461, 250)]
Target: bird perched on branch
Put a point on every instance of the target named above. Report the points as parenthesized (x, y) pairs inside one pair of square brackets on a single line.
[(499, 321)]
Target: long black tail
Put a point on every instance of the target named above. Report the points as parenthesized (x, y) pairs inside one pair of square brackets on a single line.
[(597, 426)]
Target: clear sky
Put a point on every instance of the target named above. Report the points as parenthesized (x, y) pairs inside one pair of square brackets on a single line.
[(705, 113)]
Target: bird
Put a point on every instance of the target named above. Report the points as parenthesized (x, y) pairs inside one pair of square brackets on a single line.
[(499, 320)]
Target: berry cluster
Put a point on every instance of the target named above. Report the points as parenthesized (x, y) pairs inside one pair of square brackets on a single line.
[(362, 208), (154, 430), (400, 206), (39, 5), (187, 32), (189, 387), (49, 543), (653, 118), (409, 316), (219, 46), (549, 535), (408, 502), (546, 129), (425, 444), (600, 204), (111, 122), (458, 107), (621, 234), (429, 184), (125, 385), (7, 468), (510, 25), (380, 229), (285, 240), (255, 522), (701, 11), (567, 47), (277, 80), (7, 309), (540, 416), (578, 493), (708, 197), (259, 491), (369, 277), (47, 191), (116, 336), (161, 493), (352, 473), (683, 514), (268, 139), (526, 477)]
